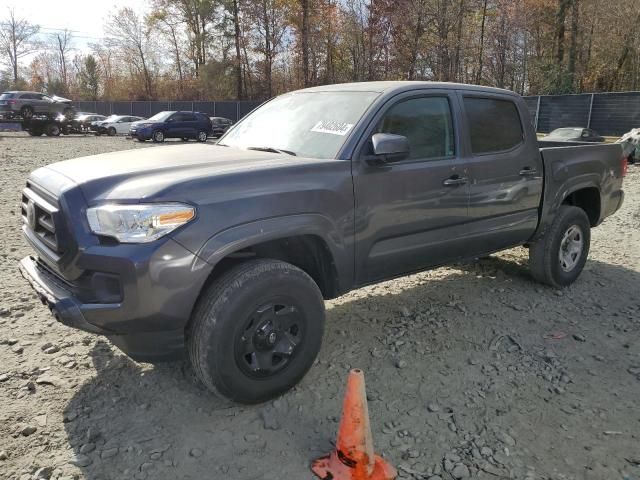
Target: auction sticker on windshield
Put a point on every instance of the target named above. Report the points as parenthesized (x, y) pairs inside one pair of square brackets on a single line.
[(334, 128)]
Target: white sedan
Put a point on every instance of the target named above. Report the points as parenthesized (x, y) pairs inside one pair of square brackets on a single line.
[(116, 124)]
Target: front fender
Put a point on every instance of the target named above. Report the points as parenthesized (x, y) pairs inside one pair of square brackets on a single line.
[(246, 235)]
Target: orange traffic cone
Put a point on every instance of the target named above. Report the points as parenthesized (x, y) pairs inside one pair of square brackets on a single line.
[(353, 458)]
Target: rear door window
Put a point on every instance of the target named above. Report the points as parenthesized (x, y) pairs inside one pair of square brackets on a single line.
[(494, 125), (6, 96)]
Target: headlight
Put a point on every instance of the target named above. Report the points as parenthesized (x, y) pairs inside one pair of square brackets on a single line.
[(138, 223)]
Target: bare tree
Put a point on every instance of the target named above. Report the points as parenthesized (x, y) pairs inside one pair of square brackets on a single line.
[(126, 32), (169, 27), (63, 48), (16, 40)]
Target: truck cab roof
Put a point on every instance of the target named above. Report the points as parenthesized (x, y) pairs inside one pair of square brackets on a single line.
[(398, 86)]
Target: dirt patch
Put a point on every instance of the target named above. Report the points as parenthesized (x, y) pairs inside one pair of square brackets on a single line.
[(473, 371)]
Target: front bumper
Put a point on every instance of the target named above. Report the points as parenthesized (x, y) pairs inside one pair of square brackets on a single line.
[(64, 307), (159, 287), (142, 133)]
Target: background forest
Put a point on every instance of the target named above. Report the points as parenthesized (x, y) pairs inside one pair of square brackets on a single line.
[(254, 49)]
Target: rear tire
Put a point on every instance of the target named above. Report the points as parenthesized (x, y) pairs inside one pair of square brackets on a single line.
[(256, 330), (52, 130), (558, 257)]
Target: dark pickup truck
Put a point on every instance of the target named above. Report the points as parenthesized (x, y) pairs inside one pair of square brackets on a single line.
[(228, 251)]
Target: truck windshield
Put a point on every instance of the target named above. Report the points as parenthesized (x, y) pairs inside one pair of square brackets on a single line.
[(307, 124)]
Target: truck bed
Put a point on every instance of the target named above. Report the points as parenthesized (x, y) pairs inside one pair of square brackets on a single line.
[(572, 166)]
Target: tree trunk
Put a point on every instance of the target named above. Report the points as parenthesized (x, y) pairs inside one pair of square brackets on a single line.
[(305, 42), (456, 63), (560, 29), (268, 57), (481, 53), (573, 46), (237, 40)]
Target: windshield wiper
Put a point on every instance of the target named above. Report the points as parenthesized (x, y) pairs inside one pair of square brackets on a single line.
[(271, 149)]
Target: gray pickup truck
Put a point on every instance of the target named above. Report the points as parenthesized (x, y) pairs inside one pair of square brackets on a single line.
[(228, 251)]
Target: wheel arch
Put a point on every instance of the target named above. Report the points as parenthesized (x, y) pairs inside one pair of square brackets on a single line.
[(308, 241), (589, 199)]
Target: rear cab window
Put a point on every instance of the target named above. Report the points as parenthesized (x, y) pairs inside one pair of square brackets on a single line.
[(494, 125)]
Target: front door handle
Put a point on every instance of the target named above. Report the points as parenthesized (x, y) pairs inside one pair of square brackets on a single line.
[(528, 172), (455, 180)]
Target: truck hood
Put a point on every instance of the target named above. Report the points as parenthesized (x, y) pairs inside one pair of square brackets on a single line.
[(166, 172)]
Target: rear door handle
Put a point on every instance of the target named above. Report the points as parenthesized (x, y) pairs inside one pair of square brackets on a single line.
[(455, 180), (528, 172)]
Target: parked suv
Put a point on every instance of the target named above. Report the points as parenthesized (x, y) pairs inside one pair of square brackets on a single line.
[(184, 125), (28, 104)]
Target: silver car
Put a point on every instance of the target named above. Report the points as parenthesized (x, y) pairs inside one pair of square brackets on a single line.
[(28, 104)]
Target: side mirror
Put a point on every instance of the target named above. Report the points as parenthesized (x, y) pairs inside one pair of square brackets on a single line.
[(585, 134), (388, 147)]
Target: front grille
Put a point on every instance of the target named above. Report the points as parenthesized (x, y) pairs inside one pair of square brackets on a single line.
[(39, 213)]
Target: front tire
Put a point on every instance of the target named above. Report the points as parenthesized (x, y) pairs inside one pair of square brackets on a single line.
[(558, 257), (256, 330), (111, 132), (202, 136), (158, 136)]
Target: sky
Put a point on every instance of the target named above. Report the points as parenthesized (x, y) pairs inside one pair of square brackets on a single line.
[(85, 18)]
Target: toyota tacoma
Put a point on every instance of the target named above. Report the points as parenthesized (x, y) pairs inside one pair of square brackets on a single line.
[(227, 252)]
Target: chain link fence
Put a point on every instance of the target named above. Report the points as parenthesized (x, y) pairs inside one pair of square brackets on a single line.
[(610, 114)]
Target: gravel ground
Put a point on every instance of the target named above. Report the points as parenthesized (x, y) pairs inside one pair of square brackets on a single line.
[(473, 371)]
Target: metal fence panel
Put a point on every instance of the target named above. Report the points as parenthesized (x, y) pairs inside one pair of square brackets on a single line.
[(157, 107), (205, 107), (610, 114), (228, 110), (563, 111), (246, 107), (181, 105), (615, 113)]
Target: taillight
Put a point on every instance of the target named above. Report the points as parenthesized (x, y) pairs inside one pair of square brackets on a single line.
[(11, 102), (625, 166)]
